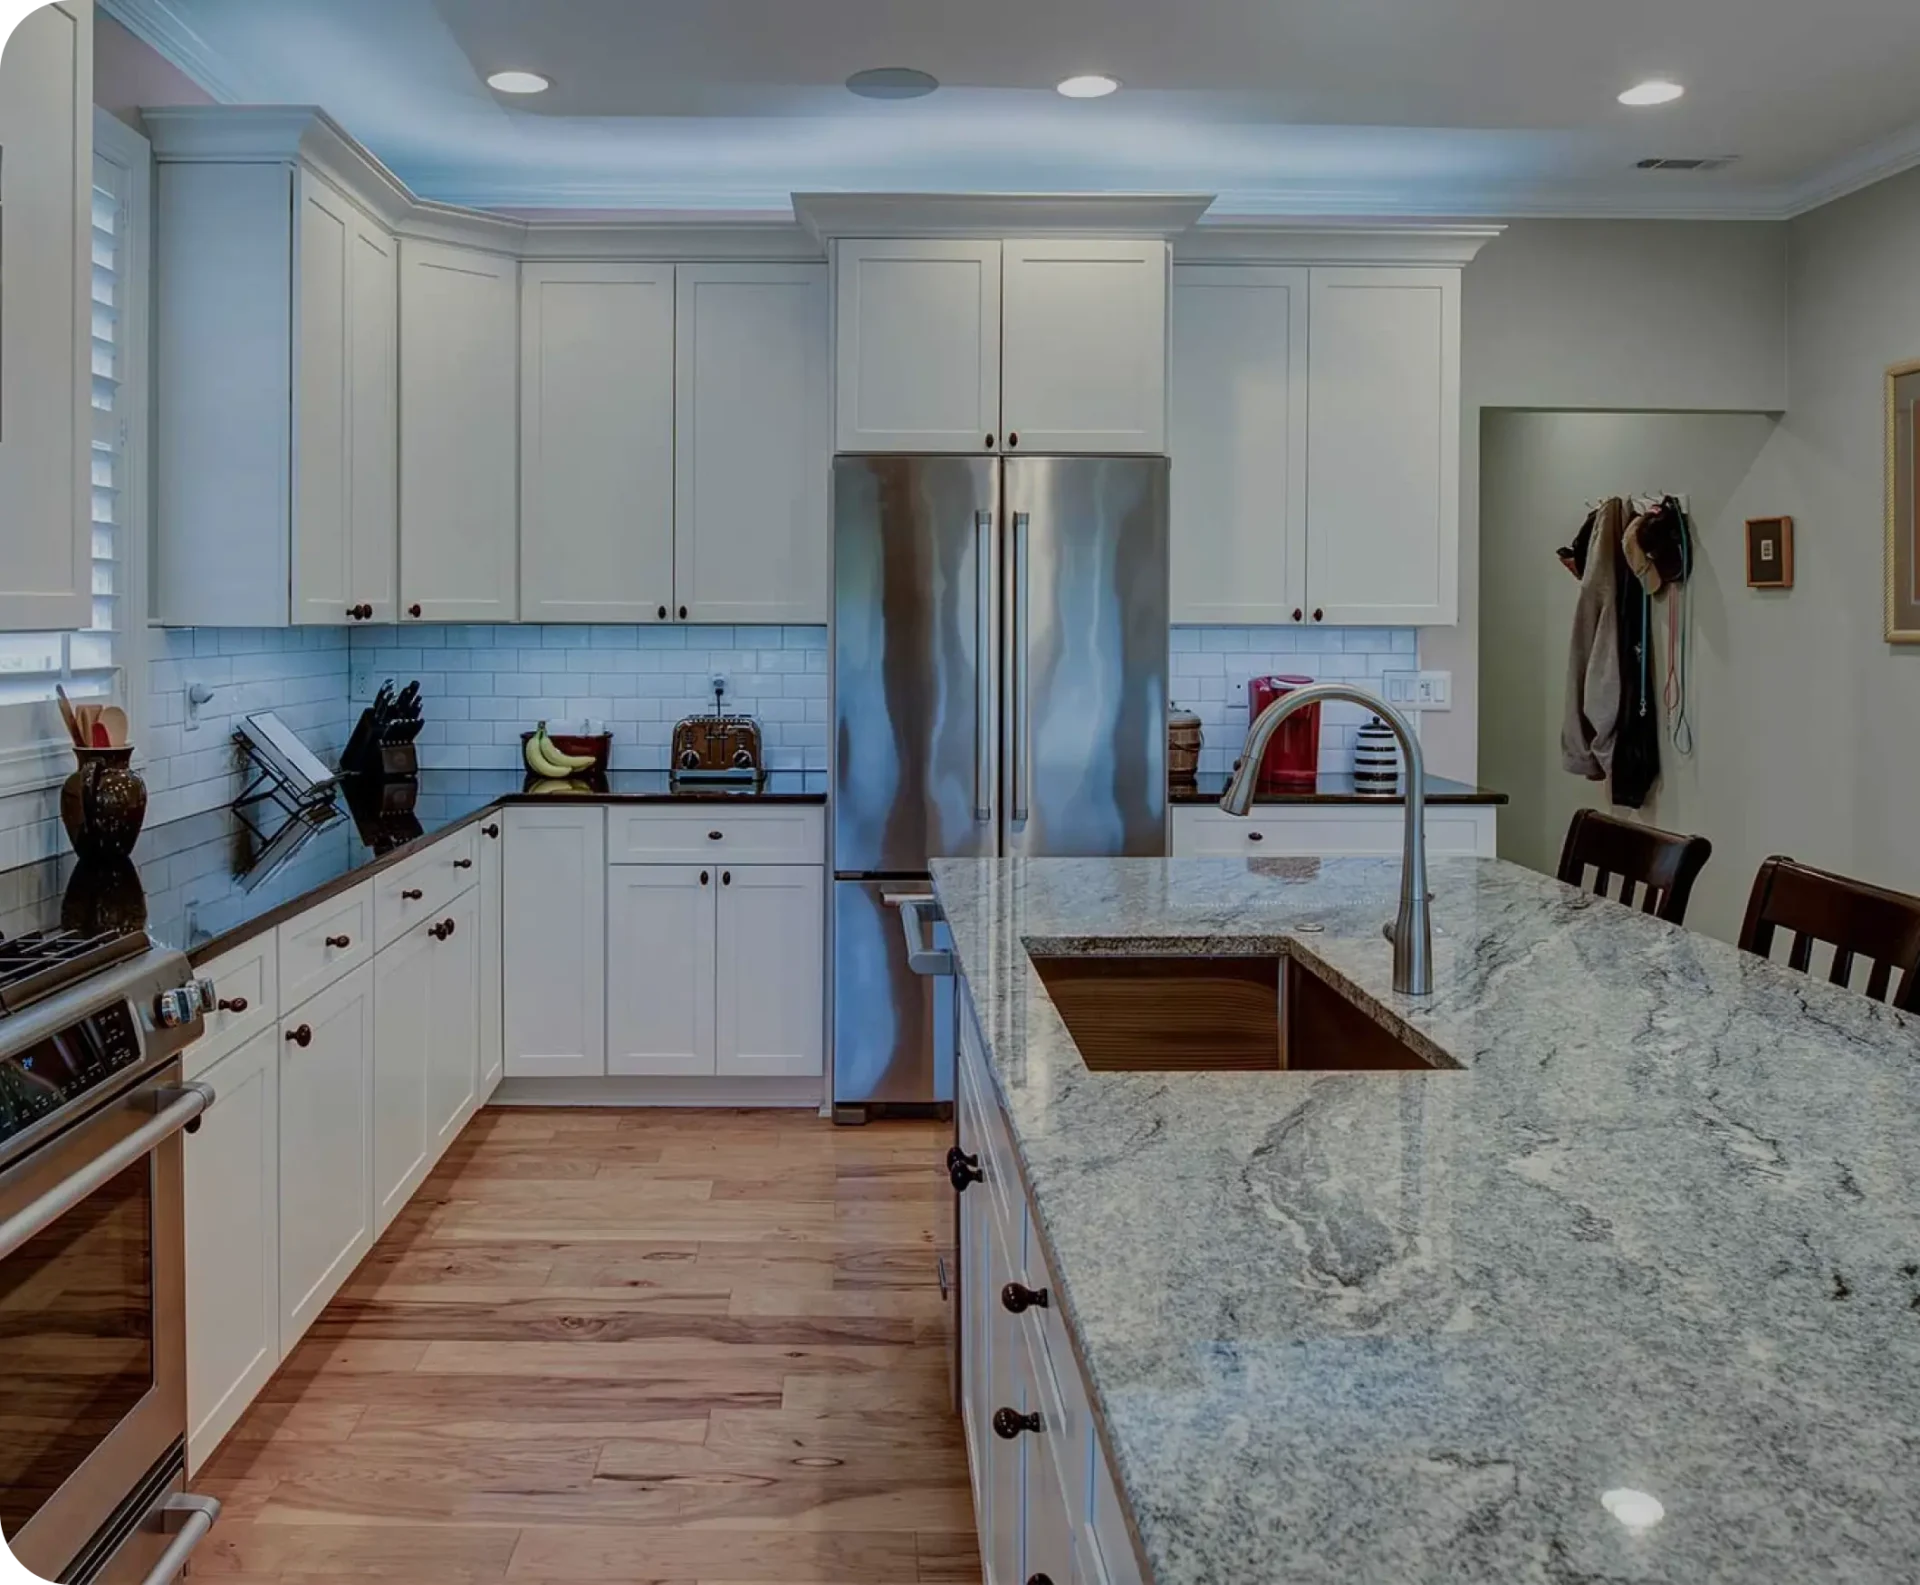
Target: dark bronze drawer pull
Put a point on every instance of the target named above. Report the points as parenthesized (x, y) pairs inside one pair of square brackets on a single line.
[(463, 864), (964, 1172), (237, 1004), (1017, 1298), (411, 896), (342, 942), (1009, 1423), (301, 1037)]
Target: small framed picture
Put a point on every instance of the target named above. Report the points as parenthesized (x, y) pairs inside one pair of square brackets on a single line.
[(1769, 553)]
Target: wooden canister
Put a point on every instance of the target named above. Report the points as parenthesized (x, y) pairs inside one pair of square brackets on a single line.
[(1183, 744)]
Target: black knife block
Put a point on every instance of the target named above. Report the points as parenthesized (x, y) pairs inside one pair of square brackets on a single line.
[(366, 755)]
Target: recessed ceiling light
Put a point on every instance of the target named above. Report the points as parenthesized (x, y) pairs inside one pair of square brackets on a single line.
[(1091, 86), (519, 82), (1654, 91), (892, 82)]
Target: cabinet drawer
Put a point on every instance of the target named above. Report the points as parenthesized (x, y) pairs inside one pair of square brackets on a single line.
[(1329, 831), (325, 943), (249, 975), (409, 893), (1064, 1396), (715, 833), (1112, 1543), (984, 1123)]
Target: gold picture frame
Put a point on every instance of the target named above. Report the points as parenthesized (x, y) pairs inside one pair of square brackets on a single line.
[(1903, 503)]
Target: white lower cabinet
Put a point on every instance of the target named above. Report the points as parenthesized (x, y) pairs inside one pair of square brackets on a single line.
[(1044, 1500), (326, 1146), (770, 971), (660, 947), (233, 1242), (555, 934), (1318, 830), (716, 970), (453, 1026), (402, 1033), (492, 967)]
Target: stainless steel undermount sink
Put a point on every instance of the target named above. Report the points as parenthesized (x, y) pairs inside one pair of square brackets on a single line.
[(1170, 1013)]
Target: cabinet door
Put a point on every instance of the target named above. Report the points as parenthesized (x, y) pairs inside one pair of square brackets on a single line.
[(1001, 1541), (752, 448), (1383, 447), (771, 970), (459, 434), (373, 414), (1239, 444), (403, 1015), (453, 1034), (660, 954), (596, 436), (1047, 1550), (917, 355), (492, 1041), (555, 938), (1084, 333), (326, 1147), (233, 1243), (46, 186), (322, 392)]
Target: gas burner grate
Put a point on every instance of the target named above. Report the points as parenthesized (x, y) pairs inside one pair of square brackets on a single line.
[(41, 962)]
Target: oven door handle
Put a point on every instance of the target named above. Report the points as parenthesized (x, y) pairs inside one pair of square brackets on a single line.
[(180, 1105), (193, 1516)]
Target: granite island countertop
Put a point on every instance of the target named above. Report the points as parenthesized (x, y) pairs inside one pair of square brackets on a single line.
[(1657, 1232)]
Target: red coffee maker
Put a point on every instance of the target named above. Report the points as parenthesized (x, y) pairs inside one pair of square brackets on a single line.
[(1293, 757)]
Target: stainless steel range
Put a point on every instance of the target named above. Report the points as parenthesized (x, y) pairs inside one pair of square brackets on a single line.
[(92, 1264)]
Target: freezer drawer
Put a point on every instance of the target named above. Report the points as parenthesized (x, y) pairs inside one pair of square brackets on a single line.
[(892, 1028)]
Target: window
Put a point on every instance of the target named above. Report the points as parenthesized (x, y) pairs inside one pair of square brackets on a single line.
[(96, 662)]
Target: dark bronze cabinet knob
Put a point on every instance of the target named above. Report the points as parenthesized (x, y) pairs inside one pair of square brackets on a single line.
[(411, 896), (1299, 615), (1009, 1423), (1039, 1579), (1319, 616), (492, 831), (413, 610), (965, 1171), (703, 877), (1019, 1299), (663, 613), (1013, 438), (463, 864), (441, 931), (989, 442), (1256, 836), (301, 1037), (713, 836), (726, 877), (341, 942), (955, 1155), (237, 1004), (683, 613)]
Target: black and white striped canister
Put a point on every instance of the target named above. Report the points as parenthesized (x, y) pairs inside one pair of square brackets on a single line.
[(1376, 760)]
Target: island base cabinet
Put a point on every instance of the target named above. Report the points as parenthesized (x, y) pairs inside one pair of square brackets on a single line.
[(326, 1146), (555, 933), (232, 1176)]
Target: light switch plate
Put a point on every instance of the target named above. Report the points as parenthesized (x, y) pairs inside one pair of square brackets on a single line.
[(1418, 690)]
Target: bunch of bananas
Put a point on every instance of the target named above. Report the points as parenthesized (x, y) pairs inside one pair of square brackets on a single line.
[(545, 759)]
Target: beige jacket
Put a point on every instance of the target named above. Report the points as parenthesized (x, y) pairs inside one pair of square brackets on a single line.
[(1592, 718)]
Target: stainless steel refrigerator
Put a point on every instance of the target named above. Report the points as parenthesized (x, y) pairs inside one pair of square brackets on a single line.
[(999, 688)]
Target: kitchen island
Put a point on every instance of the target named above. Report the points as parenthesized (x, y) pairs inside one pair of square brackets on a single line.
[(1625, 1287)]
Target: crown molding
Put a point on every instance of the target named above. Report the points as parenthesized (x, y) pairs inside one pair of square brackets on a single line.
[(1889, 157), (156, 23), (830, 216), (1331, 241)]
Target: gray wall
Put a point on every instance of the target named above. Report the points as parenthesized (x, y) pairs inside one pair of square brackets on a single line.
[(1601, 315), (1808, 721)]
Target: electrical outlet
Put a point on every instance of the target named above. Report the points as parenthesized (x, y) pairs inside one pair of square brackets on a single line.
[(1418, 690), (717, 685), (363, 683), (1237, 692)]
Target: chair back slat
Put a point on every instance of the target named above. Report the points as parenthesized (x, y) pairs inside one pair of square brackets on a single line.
[(1663, 863), (1855, 919)]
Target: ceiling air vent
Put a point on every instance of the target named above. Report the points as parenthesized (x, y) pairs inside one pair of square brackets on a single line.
[(1709, 162)]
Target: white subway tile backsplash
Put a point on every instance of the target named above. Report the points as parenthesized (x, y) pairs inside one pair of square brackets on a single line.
[(1211, 667)]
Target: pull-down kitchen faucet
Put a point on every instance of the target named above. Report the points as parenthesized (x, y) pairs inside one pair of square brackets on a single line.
[(1412, 929)]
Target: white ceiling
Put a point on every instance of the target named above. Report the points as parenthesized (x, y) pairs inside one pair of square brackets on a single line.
[(1309, 106)]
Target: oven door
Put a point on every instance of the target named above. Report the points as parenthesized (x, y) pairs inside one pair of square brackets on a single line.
[(92, 1320)]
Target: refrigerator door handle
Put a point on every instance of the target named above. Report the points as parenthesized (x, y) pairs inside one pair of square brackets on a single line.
[(922, 956), (985, 716), (1022, 754)]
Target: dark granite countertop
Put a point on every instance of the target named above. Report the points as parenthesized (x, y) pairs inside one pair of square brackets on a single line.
[(208, 882), (1338, 789)]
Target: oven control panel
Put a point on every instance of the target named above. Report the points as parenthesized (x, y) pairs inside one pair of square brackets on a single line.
[(81, 1057)]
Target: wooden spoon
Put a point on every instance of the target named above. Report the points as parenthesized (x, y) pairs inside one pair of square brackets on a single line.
[(114, 719)]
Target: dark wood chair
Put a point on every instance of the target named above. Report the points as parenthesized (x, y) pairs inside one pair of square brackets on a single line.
[(1855, 919), (1661, 863)]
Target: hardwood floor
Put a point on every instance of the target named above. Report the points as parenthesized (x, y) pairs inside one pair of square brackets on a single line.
[(659, 1348)]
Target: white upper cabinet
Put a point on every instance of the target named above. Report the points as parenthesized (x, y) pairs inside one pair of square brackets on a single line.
[(1084, 346), (1383, 446), (345, 496), (459, 434), (752, 444), (277, 378), (917, 357), (597, 444), (46, 188), (1239, 444)]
